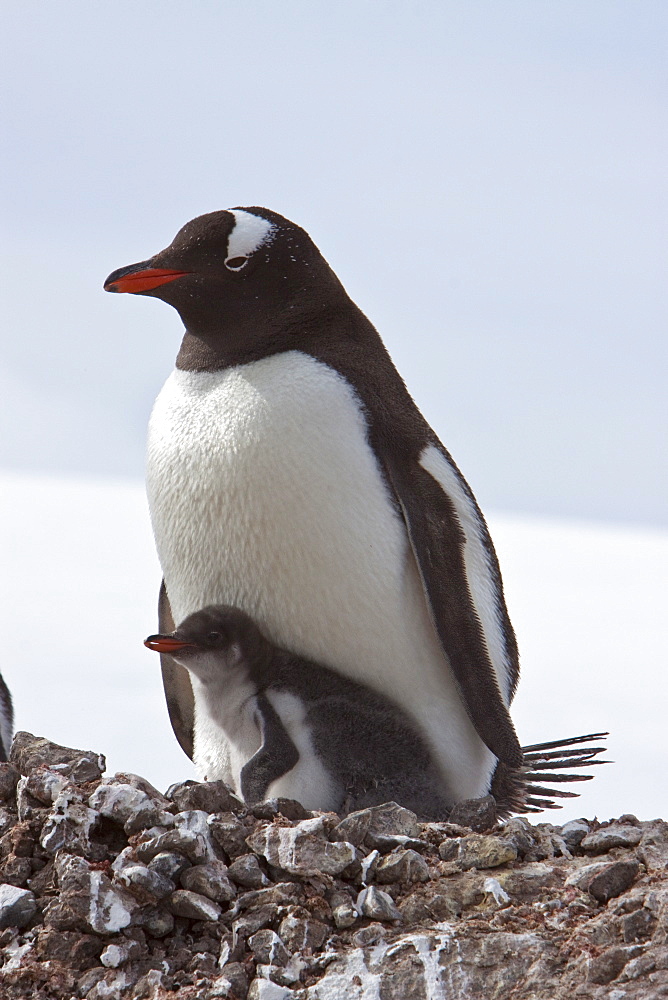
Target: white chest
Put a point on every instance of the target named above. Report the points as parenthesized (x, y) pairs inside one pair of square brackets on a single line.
[(265, 495)]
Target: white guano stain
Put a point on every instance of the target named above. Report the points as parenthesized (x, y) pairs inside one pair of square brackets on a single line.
[(224, 954), (369, 966), (368, 861), (495, 889), (18, 953), (106, 912)]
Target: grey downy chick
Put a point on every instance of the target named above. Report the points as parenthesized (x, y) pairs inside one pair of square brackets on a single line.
[(285, 716)]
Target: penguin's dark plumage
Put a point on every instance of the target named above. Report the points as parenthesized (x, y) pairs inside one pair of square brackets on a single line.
[(6, 720), (290, 474)]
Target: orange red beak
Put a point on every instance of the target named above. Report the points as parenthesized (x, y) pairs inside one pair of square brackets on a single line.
[(166, 644), (139, 278)]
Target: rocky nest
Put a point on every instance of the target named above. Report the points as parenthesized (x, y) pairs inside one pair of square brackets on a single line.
[(111, 890)]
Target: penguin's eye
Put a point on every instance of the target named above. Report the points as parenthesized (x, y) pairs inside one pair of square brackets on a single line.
[(236, 263), (214, 637)]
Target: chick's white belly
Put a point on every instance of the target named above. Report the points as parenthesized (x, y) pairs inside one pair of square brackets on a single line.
[(264, 494), (308, 781)]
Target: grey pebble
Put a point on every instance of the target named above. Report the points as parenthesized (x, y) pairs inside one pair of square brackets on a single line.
[(477, 814), (385, 842), (29, 752), (402, 866), (68, 824), (169, 864), (209, 880), (9, 776), (184, 903), (229, 833), (377, 905), (283, 975), (371, 934), (264, 989), (387, 820), (118, 953), (246, 872), (353, 829), (271, 808), (574, 832), (179, 840), (268, 948), (142, 877), (300, 933), (608, 837), (233, 973), (118, 801), (156, 920), (254, 920), (302, 849), (42, 784), (281, 894), (638, 926), (207, 796), (17, 906), (478, 851), (521, 834), (29, 806), (343, 910), (391, 819), (197, 821), (146, 817), (448, 849), (613, 880)]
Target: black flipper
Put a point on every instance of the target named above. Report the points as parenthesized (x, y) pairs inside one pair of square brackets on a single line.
[(437, 538), (516, 788), (276, 756), (6, 720), (176, 682)]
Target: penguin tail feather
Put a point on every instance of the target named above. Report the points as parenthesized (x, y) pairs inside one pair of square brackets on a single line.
[(520, 789)]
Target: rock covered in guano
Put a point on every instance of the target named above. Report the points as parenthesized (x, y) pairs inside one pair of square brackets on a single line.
[(110, 889)]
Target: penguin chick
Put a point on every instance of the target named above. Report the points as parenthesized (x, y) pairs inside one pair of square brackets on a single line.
[(284, 715)]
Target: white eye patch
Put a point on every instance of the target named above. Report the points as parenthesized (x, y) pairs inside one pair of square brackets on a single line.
[(249, 233)]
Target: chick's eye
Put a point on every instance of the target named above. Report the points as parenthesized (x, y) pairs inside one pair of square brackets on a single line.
[(236, 263), (214, 636)]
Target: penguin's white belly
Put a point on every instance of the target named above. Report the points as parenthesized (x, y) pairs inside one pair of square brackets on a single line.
[(265, 494), (229, 709)]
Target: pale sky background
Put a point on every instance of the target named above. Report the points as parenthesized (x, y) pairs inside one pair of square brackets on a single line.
[(487, 179)]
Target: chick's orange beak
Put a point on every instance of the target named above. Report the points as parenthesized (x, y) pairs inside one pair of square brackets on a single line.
[(165, 644)]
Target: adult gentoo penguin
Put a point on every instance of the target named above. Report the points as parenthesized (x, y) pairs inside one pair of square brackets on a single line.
[(290, 721), (291, 475)]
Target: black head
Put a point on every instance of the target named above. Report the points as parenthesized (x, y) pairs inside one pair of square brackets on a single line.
[(237, 278), (219, 634)]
